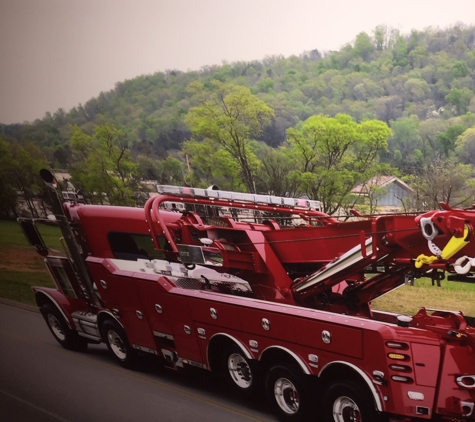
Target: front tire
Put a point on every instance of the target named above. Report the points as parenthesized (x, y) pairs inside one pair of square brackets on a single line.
[(66, 337), (287, 393), (348, 401), (116, 340)]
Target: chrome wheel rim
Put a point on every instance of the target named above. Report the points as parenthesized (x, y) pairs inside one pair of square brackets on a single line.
[(56, 327), (346, 410), (116, 344), (286, 396), (239, 370)]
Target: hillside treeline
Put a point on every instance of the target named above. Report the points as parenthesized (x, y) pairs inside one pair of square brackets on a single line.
[(421, 85)]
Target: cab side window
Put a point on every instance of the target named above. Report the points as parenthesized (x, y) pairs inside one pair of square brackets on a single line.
[(131, 246)]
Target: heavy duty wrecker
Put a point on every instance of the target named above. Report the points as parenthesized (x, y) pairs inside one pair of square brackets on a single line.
[(272, 294)]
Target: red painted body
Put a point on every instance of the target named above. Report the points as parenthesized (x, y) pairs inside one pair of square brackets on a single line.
[(307, 284)]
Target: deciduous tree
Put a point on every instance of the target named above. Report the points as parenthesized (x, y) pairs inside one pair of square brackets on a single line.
[(460, 98), (8, 195), (210, 165), (465, 147), (19, 173), (228, 117), (335, 154), (103, 167), (444, 180)]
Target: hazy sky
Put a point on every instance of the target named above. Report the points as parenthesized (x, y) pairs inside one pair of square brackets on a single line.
[(59, 53)]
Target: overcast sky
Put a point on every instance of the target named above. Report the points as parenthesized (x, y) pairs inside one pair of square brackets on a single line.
[(60, 53)]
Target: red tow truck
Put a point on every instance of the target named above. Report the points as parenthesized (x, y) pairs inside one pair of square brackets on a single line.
[(271, 293)]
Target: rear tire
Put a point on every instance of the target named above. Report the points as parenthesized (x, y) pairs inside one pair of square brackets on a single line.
[(241, 373), (348, 401), (287, 393), (118, 344), (56, 323)]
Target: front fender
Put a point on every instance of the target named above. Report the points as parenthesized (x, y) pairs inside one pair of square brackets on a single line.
[(59, 300)]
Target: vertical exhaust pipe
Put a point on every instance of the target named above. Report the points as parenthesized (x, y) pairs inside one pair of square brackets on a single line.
[(77, 261)]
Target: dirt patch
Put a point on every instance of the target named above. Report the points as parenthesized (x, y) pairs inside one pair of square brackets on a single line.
[(21, 260)]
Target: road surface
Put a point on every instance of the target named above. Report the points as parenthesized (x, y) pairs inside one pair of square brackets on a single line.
[(42, 382)]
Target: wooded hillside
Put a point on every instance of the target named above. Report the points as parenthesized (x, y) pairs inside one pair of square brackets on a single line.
[(420, 84)]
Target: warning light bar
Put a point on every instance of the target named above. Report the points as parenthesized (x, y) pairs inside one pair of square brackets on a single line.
[(238, 197)]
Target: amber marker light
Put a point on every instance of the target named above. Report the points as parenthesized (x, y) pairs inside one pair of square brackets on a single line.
[(397, 356)]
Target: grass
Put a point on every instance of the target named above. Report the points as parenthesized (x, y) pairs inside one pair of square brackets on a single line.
[(452, 295), (21, 267), (11, 235), (17, 286)]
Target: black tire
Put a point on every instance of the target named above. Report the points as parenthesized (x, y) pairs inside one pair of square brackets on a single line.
[(287, 391), (346, 401), (118, 344), (240, 372), (69, 339)]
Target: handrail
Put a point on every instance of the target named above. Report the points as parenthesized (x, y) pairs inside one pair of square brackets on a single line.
[(152, 210), (153, 204)]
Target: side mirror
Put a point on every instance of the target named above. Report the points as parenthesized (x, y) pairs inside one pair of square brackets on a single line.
[(33, 236)]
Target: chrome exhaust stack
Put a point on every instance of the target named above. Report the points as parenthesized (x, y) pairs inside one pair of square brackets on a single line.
[(75, 250)]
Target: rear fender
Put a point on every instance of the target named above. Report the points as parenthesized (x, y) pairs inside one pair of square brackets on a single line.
[(289, 355), (224, 338), (359, 374)]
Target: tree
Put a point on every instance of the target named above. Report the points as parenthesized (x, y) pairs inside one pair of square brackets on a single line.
[(447, 139), (380, 37), (407, 140), (213, 166), (103, 166), (363, 46), (8, 195), (465, 147), (19, 173), (428, 131), (168, 171), (229, 117), (335, 154), (444, 180), (400, 52), (418, 57), (460, 98), (416, 89), (278, 174), (459, 69)]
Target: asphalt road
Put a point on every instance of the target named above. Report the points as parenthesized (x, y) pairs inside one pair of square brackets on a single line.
[(42, 382)]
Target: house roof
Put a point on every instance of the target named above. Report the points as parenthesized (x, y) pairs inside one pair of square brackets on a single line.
[(380, 182)]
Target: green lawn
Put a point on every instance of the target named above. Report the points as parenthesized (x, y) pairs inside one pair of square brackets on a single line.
[(11, 235), (452, 295), (21, 267), (16, 285)]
